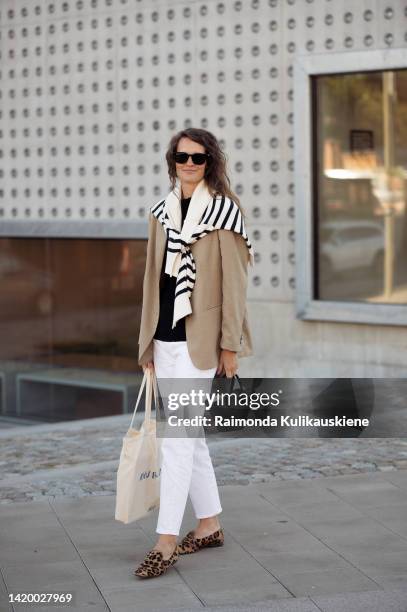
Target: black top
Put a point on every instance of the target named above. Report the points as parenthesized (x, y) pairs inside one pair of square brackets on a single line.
[(167, 297)]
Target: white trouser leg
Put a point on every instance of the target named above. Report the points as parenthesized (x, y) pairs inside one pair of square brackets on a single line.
[(186, 466), (203, 489)]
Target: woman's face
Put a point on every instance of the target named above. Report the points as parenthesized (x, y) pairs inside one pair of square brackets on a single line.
[(189, 172)]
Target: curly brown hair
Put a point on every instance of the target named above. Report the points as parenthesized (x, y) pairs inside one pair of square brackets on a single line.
[(215, 176)]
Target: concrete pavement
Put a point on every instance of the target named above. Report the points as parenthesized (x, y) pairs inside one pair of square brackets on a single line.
[(330, 544)]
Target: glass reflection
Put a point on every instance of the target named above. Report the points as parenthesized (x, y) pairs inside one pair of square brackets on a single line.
[(361, 217), (69, 317)]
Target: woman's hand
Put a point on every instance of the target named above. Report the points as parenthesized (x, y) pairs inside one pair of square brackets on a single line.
[(227, 363), (149, 365)]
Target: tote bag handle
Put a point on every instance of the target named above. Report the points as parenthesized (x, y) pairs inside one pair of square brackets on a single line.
[(151, 389), (150, 382), (156, 396)]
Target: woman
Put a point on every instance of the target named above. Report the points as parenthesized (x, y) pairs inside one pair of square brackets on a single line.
[(193, 323)]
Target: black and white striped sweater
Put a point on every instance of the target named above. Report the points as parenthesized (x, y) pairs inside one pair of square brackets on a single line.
[(220, 213)]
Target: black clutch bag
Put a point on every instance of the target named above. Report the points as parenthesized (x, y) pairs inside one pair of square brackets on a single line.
[(227, 409)]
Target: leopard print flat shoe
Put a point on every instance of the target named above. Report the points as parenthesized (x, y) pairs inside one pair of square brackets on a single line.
[(190, 544), (154, 564)]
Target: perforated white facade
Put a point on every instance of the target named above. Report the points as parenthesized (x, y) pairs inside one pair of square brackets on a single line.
[(92, 91)]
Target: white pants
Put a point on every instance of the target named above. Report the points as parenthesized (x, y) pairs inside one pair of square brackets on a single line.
[(186, 466)]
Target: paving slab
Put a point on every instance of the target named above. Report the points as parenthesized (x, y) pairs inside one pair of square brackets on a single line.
[(91, 508), (5, 605), (311, 512), (393, 517), (83, 590), (141, 599), (41, 509), (283, 605), (376, 563), (47, 608), (338, 580), (306, 545), (272, 541), (398, 478), (243, 582), (356, 534), (364, 602), (392, 581), (29, 575), (42, 550), (353, 479), (368, 601), (294, 493), (301, 560), (370, 494)]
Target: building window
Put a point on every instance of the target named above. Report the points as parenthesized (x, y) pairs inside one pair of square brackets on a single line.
[(361, 187), (69, 322), (351, 188)]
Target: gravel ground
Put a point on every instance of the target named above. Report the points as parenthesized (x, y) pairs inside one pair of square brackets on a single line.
[(80, 460)]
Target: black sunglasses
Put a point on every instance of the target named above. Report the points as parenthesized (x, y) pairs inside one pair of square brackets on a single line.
[(197, 158)]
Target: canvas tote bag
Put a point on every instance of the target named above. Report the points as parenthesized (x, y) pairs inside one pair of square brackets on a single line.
[(138, 474)]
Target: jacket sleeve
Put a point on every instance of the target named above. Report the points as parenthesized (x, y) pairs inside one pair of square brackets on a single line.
[(145, 309), (235, 259)]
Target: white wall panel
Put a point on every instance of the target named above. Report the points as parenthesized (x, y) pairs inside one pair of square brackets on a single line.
[(92, 91)]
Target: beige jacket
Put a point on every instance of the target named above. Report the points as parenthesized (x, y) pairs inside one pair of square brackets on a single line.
[(218, 300)]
